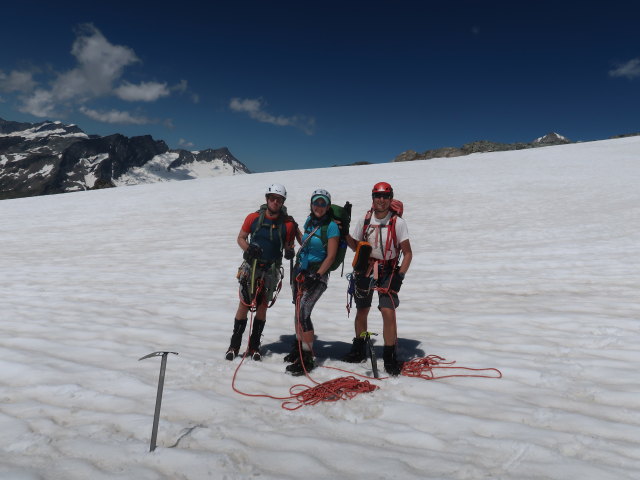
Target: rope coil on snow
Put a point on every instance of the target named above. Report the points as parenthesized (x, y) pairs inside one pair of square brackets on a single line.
[(343, 388), (346, 388), (423, 368)]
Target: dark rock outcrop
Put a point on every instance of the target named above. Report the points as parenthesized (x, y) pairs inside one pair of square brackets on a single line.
[(185, 158), (480, 146), (50, 157)]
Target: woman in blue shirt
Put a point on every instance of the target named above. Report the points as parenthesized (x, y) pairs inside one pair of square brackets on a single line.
[(319, 246)]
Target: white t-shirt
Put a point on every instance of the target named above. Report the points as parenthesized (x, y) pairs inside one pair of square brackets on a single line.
[(376, 235)]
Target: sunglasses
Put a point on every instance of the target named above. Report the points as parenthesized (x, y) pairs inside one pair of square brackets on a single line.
[(381, 195), (275, 198), (319, 203)]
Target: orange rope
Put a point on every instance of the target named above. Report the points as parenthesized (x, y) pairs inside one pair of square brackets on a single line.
[(424, 368), (343, 388), (346, 388)]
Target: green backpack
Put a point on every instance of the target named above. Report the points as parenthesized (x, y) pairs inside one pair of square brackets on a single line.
[(342, 216)]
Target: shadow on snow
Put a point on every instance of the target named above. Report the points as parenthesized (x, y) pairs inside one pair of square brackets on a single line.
[(407, 348)]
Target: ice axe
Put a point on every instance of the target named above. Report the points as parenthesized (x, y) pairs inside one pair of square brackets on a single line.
[(156, 416), (369, 346)]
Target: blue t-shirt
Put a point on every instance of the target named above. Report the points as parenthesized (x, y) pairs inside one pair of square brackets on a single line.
[(314, 251)]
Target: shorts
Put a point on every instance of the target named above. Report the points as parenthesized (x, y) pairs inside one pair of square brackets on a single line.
[(364, 288), (268, 274)]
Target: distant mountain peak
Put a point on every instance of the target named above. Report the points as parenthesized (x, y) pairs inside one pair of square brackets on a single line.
[(39, 130), (552, 138), (481, 146), (52, 157)]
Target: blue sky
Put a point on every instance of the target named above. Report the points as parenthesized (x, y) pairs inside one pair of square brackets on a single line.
[(287, 85)]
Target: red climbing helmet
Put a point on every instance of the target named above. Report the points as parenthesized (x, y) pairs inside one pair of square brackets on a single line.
[(382, 187)]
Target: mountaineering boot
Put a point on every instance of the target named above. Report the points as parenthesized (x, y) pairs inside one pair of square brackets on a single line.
[(298, 367), (236, 338), (358, 353), (231, 353), (293, 355), (254, 340), (391, 364)]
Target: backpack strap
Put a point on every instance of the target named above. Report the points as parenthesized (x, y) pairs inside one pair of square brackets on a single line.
[(311, 234), (367, 222), (391, 235), (258, 223), (392, 239), (280, 222), (323, 232)]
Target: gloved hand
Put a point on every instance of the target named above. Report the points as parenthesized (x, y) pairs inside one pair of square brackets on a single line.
[(311, 279), (289, 253), (396, 282), (253, 252)]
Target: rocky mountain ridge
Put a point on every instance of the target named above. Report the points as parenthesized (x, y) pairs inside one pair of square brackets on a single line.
[(481, 146), (51, 157)]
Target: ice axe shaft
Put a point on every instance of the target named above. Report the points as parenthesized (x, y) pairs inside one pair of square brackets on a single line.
[(372, 354), (156, 415)]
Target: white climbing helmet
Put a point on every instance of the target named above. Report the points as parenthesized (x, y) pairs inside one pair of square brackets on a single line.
[(276, 189), (321, 192)]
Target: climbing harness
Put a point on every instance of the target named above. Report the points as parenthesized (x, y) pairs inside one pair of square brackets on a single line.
[(256, 285)]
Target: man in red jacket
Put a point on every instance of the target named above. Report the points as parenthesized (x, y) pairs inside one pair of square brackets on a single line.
[(264, 236)]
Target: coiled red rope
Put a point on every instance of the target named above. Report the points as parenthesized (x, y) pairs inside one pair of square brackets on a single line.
[(343, 388), (424, 368), (346, 388)]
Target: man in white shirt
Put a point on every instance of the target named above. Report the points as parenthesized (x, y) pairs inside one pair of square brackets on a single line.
[(386, 231)]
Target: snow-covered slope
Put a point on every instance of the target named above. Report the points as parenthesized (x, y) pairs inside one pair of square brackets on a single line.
[(46, 129), (526, 261), (159, 169)]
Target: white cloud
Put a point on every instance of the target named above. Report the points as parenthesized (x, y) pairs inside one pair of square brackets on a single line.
[(254, 107), (115, 116), (16, 81), (100, 64), (181, 87), (143, 92), (185, 144), (99, 69), (41, 103), (630, 69)]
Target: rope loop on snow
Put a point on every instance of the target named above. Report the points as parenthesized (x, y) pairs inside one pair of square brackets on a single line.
[(424, 368), (343, 388)]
